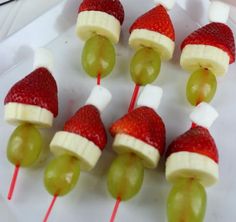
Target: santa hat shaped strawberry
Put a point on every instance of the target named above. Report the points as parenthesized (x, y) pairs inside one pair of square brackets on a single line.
[(101, 17), (34, 99), (84, 134), (194, 154), (211, 47), (142, 130), (155, 30)]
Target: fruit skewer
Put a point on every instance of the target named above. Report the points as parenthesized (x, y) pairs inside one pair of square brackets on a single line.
[(83, 138), (31, 103), (140, 135), (192, 159)]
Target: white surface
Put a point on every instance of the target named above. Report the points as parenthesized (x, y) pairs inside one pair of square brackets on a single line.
[(219, 12), (150, 97), (90, 200), (204, 115), (100, 97), (15, 15)]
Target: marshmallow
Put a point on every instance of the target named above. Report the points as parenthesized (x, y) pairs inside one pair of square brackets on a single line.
[(168, 4), (150, 97), (204, 115), (100, 97), (43, 58), (219, 12)]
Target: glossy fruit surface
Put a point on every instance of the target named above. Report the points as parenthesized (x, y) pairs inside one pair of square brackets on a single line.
[(187, 202), (61, 175), (24, 146), (125, 176), (145, 66), (98, 56), (201, 87)]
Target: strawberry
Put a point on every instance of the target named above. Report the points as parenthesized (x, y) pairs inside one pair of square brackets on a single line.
[(196, 140), (87, 123), (111, 7), (39, 88), (214, 34), (142, 123), (157, 20)]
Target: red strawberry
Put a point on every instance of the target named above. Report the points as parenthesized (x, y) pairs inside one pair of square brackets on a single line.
[(196, 140), (157, 20), (87, 123), (142, 123), (214, 34), (111, 7), (39, 88)]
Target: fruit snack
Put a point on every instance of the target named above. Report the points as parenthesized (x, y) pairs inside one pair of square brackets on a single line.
[(192, 158)]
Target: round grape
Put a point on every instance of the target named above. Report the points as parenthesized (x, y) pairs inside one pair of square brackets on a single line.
[(201, 87), (24, 146), (98, 56), (145, 66), (187, 201), (61, 175), (125, 176)]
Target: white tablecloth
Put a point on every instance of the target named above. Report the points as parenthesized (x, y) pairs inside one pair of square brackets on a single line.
[(16, 15)]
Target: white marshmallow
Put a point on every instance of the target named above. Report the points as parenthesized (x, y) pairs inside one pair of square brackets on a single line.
[(150, 97), (99, 97), (43, 58), (168, 4), (204, 115), (219, 12)]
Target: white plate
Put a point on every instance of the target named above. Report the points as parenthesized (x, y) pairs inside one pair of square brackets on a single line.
[(90, 200)]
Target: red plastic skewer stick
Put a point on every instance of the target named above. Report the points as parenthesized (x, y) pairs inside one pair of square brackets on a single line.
[(113, 216), (134, 98), (99, 79), (13, 182), (50, 209)]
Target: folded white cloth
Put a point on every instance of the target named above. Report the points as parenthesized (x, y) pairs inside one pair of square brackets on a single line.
[(15, 15)]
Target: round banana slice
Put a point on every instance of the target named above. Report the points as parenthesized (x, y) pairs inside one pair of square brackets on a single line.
[(90, 23), (194, 57), (127, 144), (17, 113), (146, 38), (78, 146), (192, 165)]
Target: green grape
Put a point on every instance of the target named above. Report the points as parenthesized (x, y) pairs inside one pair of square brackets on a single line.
[(125, 176), (61, 175), (24, 146), (186, 202), (201, 87), (145, 66), (98, 56)]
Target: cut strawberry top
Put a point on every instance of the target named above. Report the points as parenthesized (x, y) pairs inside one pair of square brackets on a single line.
[(196, 140), (157, 20), (214, 34), (144, 124), (87, 123), (111, 7), (39, 88)]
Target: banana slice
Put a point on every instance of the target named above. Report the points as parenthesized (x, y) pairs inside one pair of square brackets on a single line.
[(17, 113), (90, 23), (65, 142), (192, 165), (127, 144), (194, 57), (146, 38)]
